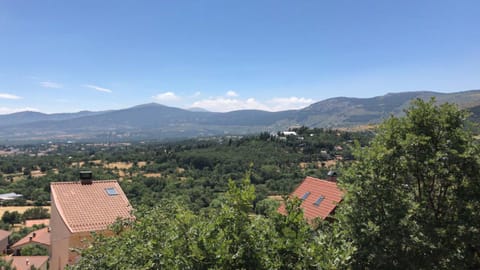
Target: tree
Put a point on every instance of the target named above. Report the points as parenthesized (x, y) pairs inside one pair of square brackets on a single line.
[(35, 213), (413, 196), (228, 236), (34, 250), (11, 217)]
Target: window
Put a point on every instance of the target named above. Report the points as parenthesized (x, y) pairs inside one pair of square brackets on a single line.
[(305, 196), (318, 201), (111, 191)]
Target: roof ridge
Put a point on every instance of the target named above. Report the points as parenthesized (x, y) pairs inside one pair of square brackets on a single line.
[(79, 182)]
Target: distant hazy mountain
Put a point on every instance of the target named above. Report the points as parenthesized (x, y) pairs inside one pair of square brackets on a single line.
[(29, 117), (155, 121), (196, 109)]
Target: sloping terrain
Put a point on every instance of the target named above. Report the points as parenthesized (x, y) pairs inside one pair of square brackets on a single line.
[(155, 121)]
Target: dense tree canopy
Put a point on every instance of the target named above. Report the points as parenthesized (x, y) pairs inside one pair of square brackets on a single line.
[(413, 199)]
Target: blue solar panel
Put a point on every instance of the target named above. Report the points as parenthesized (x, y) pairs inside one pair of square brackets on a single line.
[(319, 200), (111, 191), (305, 196)]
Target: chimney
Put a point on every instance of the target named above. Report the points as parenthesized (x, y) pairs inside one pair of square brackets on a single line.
[(332, 176), (34, 234), (27, 261), (86, 177), (30, 238)]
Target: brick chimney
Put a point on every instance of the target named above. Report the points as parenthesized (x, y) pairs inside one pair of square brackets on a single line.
[(332, 176), (86, 177)]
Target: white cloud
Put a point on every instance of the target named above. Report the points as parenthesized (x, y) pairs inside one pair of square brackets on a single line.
[(232, 93), (48, 84), (222, 104), (8, 96), (290, 103), (98, 88), (167, 96), (5, 110)]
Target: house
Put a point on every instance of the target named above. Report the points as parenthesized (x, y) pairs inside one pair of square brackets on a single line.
[(4, 240), (26, 262), (319, 197), (80, 208), (289, 133), (39, 237)]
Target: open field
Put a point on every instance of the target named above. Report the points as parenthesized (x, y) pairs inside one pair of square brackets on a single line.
[(20, 209)]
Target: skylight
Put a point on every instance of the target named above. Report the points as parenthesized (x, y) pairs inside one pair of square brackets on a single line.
[(111, 191), (318, 201), (305, 196)]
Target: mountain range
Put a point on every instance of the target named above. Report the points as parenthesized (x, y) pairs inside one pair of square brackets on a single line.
[(155, 121)]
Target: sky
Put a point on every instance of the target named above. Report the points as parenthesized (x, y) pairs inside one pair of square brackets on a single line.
[(68, 56)]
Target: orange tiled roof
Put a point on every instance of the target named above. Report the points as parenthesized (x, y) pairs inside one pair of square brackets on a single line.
[(26, 262), (42, 236), (317, 188), (4, 234), (31, 222), (88, 207)]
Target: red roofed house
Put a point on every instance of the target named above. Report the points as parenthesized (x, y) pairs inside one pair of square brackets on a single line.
[(79, 208), (26, 262), (39, 237), (4, 240), (319, 198)]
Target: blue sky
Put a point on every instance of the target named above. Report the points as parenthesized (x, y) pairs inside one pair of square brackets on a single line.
[(66, 56)]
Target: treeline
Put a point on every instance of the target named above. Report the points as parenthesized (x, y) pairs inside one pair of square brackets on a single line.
[(194, 171)]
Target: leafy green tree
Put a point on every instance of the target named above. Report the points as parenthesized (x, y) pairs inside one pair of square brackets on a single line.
[(228, 236), (11, 217), (34, 250), (413, 196), (35, 213)]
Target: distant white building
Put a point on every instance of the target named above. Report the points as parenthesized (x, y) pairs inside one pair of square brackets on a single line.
[(289, 133), (10, 196)]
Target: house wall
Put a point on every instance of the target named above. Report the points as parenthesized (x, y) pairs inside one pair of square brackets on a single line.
[(43, 266), (59, 236), (3, 245)]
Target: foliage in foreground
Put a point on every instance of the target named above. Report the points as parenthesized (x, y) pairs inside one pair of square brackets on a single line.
[(413, 199), (230, 237)]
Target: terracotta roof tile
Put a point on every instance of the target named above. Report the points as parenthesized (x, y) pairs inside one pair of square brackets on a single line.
[(329, 190), (88, 207), (42, 236), (26, 262)]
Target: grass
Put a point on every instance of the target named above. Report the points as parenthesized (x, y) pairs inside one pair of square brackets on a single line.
[(20, 209)]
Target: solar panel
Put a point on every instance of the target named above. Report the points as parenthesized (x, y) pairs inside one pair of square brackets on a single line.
[(319, 200), (305, 196), (111, 191)]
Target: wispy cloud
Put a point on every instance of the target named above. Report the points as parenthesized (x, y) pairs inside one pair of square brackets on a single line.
[(226, 104), (231, 93), (48, 84), (222, 104), (5, 110), (9, 96), (289, 103), (167, 96), (196, 94), (98, 88)]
